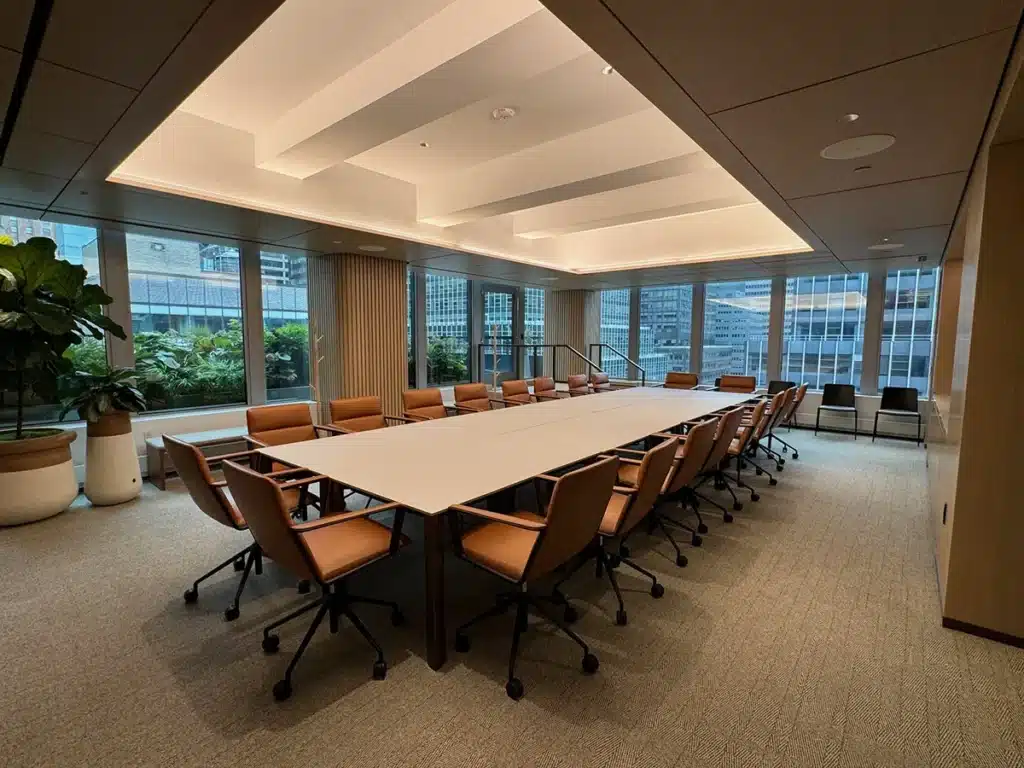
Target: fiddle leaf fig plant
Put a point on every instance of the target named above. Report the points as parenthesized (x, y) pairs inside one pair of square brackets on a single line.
[(45, 307)]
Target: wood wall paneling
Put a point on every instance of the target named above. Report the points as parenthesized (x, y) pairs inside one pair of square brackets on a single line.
[(573, 318)]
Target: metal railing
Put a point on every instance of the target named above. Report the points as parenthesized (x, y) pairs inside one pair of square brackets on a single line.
[(601, 346), (506, 347)]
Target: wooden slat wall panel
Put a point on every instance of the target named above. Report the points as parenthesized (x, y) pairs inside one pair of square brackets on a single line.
[(574, 318), (325, 320)]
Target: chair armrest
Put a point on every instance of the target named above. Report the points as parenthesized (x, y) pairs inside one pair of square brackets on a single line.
[(631, 450), (498, 517), (508, 403), (283, 472), (301, 482), (638, 462), (549, 478), (332, 428), (549, 395), (229, 456), (412, 419), (400, 419), (343, 517), (219, 484), (625, 490), (463, 409), (254, 443)]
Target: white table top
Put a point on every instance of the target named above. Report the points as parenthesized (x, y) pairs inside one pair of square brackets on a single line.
[(429, 466)]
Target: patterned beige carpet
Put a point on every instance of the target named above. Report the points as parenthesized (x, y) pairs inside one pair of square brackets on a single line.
[(806, 633)]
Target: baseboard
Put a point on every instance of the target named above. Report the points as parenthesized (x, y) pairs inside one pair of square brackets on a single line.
[(988, 634)]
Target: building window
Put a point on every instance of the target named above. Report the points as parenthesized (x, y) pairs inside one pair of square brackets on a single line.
[(736, 330), (409, 348), (447, 302), (78, 245), (615, 331), (908, 329), (186, 321), (823, 330), (285, 325), (666, 320), (533, 331)]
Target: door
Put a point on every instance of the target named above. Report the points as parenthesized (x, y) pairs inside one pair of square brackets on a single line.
[(502, 332)]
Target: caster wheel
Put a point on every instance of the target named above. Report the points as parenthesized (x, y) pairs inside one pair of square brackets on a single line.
[(755, 497), (303, 587), (623, 550), (773, 481), (191, 595), (570, 614), (282, 690), (590, 663), (681, 561), (231, 613), (380, 669), (514, 689), (461, 642), (239, 564), (620, 618), (702, 528), (737, 506), (271, 643), (759, 471), (779, 467), (696, 540), (796, 455), (614, 561), (782, 461), (657, 590), (397, 618), (727, 517)]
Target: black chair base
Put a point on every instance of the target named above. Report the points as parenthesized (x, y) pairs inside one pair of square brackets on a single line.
[(335, 603), (243, 561)]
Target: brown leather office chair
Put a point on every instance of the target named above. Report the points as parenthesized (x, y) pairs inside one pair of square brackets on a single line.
[(282, 424), (424, 405), (578, 385), (789, 418), (326, 551), (737, 384), (213, 498), (680, 380), (740, 443), (544, 389), (600, 382), (713, 470), (772, 411), (788, 395), (515, 393), (472, 398), (524, 547), (361, 414)]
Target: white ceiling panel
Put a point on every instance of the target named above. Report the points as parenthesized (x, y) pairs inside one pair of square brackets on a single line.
[(28, 188), (14, 18), (9, 61), (45, 153)]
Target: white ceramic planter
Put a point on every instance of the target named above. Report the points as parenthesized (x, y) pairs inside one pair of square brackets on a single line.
[(37, 478), (112, 473)]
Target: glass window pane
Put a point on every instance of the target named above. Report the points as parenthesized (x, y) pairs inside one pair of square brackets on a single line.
[(409, 351), (447, 302), (187, 321), (666, 320), (908, 329), (736, 330), (78, 245), (285, 325), (823, 329), (533, 331), (615, 331)]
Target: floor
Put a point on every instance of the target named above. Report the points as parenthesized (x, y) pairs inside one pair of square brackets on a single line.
[(803, 634)]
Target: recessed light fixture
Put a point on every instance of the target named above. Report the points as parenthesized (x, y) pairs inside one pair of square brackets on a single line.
[(548, 279), (503, 113), (885, 245), (608, 70), (862, 168), (337, 242), (851, 117), (425, 144), (858, 146), (372, 248)]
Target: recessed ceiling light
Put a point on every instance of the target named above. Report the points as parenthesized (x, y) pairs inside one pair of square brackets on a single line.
[(424, 144), (503, 113), (548, 279), (608, 70), (862, 168), (852, 117), (337, 242), (885, 245), (372, 248), (858, 146)]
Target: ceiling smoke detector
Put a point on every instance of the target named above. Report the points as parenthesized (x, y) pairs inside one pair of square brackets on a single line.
[(858, 146), (503, 113), (425, 144), (608, 70)]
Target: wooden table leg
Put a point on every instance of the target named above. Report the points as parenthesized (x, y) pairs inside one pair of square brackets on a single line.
[(437, 641)]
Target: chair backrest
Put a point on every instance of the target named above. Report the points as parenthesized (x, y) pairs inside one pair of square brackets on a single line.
[(680, 380), (195, 473), (899, 399), (839, 394), (650, 479), (268, 517), (280, 424), (768, 414), (517, 391), (757, 416), (358, 413), (777, 385), (578, 384), (779, 413), (473, 396), (698, 444), (578, 503), (600, 382), (798, 398), (737, 384), (424, 404), (544, 384), (727, 428)]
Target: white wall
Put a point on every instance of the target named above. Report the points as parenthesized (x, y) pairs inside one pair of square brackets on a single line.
[(866, 407)]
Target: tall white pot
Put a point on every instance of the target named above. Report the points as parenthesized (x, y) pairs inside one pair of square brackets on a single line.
[(112, 473), (37, 477)]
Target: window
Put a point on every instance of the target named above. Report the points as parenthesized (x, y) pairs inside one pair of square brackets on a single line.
[(666, 319), (77, 245), (736, 330), (285, 325), (410, 350), (447, 302), (615, 331), (533, 330), (187, 321), (823, 330), (908, 329)]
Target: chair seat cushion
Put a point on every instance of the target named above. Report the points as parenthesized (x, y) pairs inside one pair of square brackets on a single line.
[(339, 549), (897, 412), (849, 408), (476, 405), (613, 513), (502, 548), (628, 474)]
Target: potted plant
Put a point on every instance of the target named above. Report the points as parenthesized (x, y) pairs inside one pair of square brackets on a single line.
[(45, 307), (106, 402)]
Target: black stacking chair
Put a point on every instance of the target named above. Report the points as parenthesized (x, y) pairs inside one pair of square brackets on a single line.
[(898, 402), (838, 398), (776, 386)]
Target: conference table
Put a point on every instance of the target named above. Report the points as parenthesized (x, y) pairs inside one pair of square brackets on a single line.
[(428, 466)]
